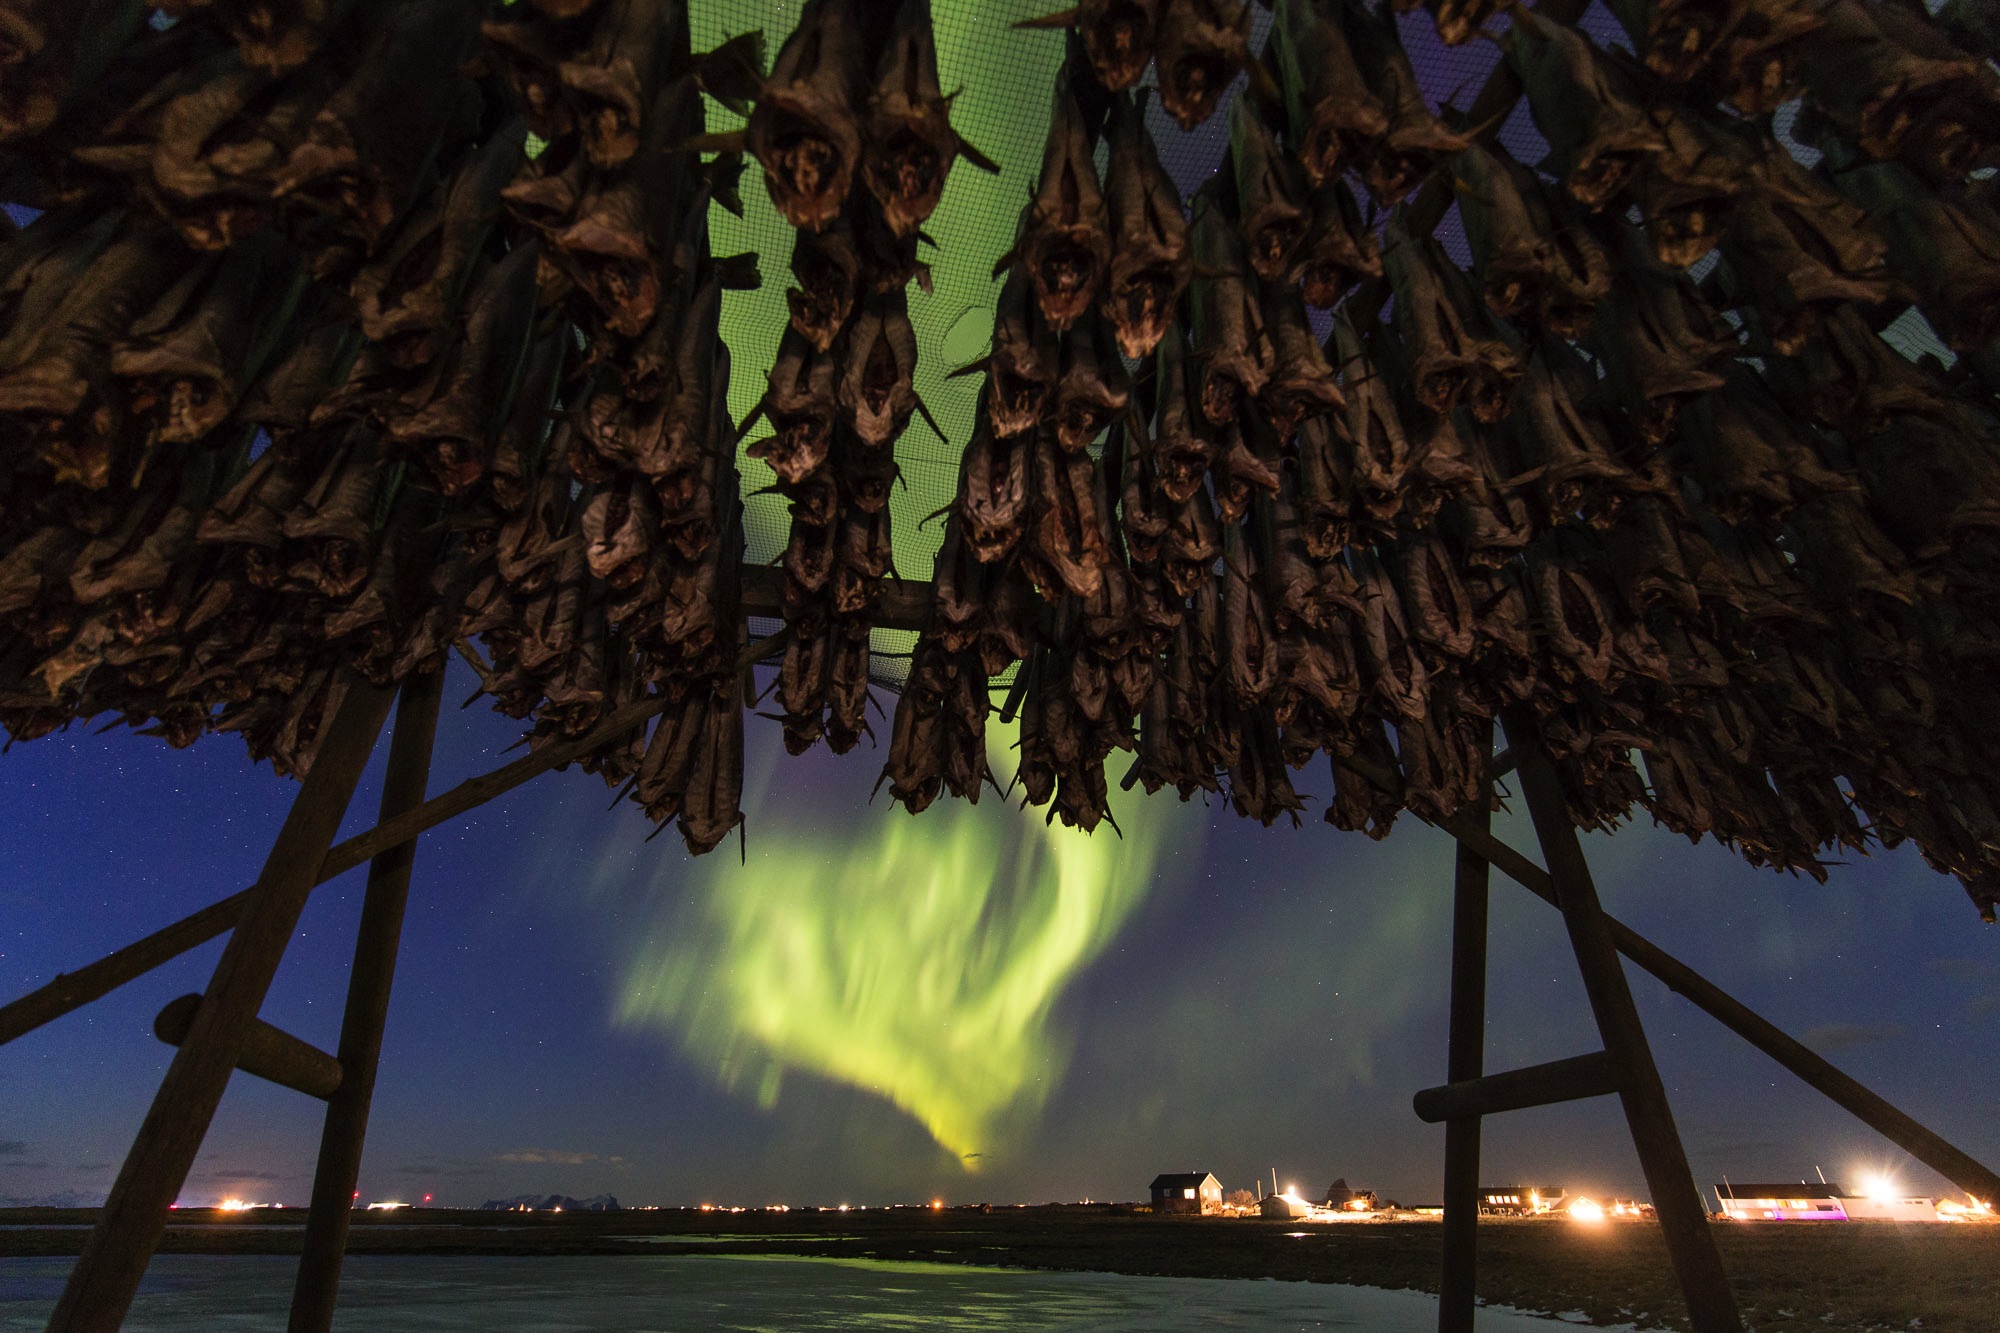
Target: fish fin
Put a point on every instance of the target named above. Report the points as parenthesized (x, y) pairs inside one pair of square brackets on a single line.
[(924, 283), (756, 415), (725, 175), (969, 368), (720, 141), (1112, 819), (733, 73), (936, 513), (1062, 18), (974, 156), (1005, 262), (739, 273), (924, 411), (1268, 97), (629, 784)]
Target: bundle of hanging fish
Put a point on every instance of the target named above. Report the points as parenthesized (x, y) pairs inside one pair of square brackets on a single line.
[(853, 133), (339, 338), (1566, 480)]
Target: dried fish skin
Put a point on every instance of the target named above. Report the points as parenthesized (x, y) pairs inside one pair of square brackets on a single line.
[(1064, 241), (909, 143), (1197, 50), (828, 267), (993, 491), (805, 130), (1454, 349), (801, 404), (1093, 388), (1302, 383), (1337, 251), (1659, 342), (1022, 367), (1117, 37), (1587, 105), (875, 392), (1232, 353), (1181, 447), (1415, 142), (1269, 215), (1332, 117), (1677, 38), (1947, 253), (1150, 260)]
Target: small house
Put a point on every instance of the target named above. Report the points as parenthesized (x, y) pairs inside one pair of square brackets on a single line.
[(1187, 1192), (1785, 1201), (1522, 1200), (1341, 1198), (1289, 1207)]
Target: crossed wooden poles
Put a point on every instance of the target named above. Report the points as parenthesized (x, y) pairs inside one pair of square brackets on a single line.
[(219, 1032)]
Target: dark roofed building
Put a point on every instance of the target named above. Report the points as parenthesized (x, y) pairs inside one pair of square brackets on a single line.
[(1186, 1192), (1783, 1201)]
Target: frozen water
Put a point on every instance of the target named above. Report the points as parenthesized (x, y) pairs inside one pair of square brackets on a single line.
[(770, 1294)]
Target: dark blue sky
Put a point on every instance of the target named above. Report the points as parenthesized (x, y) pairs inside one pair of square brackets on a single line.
[(1272, 999)]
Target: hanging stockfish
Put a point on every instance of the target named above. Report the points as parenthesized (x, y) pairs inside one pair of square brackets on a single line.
[(1232, 352), (408, 291), (1022, 367), (1457, 353), (993, 489), (1063, 241), (801, 406), (917, 737), (371, 146), (1688, 190), (1337, 251), (1754, 67), (1415, 142), (1398, 681), (910, 144), (1370, 430), (187, 361), (1191, 544), (1302, 383), (875, 392), (1947, 253), (1659, 342), (1270, 214), (1067, 548), (1094, 387), (1245, 465), (1896, 87), (1117, 36), (1436, 606), (1332, 117), (830, 274), (1150, 263), (1198, 47), (1182, 449), (453, 428), (1587, 105), (50, 49), (1564, 442), (1676, 38), (1748, 455), (806, 129)]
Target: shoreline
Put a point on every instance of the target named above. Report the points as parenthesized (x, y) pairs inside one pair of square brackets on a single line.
[(1827, 1276)]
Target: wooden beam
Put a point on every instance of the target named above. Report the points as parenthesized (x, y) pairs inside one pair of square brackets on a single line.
[(1580, 1076), (72, 990), (1465, 1058), (129, 1227), (1676, 1202), (361, 1026), (272, 1054), (904, 603)]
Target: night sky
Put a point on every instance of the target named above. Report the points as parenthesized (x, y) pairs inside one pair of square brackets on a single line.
[(581, 1011)]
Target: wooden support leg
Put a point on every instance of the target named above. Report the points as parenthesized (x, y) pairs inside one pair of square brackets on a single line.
[(1683, 1218), (1465, 1058), (114, 1259), (367, 1009)]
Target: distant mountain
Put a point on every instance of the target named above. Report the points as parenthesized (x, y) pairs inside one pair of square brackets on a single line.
[(596, 1203)]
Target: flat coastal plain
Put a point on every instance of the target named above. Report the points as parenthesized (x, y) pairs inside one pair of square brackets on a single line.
[(1819, 1276)]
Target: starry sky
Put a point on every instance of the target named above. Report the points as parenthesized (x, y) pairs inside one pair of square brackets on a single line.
[(579, 1010)]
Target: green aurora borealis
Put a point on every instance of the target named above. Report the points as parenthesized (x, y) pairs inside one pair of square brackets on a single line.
[(917, 959)]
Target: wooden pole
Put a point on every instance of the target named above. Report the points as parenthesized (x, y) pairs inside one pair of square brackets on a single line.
[(269, 1053), (1465, 1058), (1682, 1216), (73, 990), (1814, 1070), (368, 984), (114, 1259)]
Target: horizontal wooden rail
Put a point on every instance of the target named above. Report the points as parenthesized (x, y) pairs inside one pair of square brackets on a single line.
[(272, 1054), (1593, 1075)]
